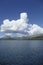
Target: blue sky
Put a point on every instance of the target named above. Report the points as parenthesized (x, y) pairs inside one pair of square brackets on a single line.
[(25, 17), (11, 9)]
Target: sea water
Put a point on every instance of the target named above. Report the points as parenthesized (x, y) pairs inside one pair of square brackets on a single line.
[(21, 52)]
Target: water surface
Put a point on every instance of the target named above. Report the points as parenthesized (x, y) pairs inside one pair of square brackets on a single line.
[(21, 52)]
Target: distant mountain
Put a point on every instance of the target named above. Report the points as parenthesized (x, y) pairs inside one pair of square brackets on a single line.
[(38, 37)]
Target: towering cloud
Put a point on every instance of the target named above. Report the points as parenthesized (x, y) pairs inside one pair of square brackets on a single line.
[(20, 27)]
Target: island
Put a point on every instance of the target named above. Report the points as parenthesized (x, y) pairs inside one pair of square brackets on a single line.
[(39, 37)]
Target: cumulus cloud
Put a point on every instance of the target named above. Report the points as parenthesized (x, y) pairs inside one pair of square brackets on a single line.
[(35, 30), (20, 27), (15, 25)]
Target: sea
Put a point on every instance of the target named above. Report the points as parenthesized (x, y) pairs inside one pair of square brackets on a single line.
[(21, 52)]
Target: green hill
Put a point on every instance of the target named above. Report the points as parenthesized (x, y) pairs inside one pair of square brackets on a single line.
[(38, 37)]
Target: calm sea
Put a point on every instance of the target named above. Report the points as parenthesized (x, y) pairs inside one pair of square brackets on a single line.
[(21, 52)]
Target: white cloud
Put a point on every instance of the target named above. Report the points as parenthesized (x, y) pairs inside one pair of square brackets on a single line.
[(35, 30), (20, 26), (15, 25)]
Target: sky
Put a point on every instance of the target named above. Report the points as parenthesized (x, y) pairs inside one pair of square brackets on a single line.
[(11, 10)]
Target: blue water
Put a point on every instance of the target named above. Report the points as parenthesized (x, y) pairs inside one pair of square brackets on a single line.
[(21, 52)]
